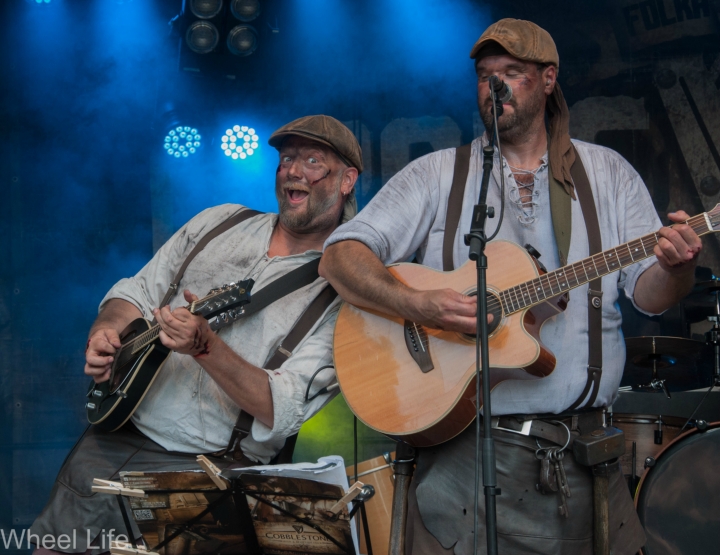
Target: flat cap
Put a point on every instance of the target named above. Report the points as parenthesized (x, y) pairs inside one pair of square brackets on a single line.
[(326, 130), (522, 39)]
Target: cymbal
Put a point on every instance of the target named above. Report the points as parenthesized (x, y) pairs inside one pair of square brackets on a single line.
[(683, 363)]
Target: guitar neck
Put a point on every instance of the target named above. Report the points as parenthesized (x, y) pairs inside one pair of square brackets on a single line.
[(557, 282)]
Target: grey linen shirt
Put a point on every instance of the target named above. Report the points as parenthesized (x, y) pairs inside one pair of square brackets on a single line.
[(407, 217), (185, 410)]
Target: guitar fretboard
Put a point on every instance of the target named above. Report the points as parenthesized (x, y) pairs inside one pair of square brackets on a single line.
[(574, 275)]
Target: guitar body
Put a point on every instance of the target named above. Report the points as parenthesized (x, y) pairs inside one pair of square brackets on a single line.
[(113, 402), (384, 384)]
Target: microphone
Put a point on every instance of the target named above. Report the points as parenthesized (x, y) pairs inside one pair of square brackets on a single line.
[(502, 90)]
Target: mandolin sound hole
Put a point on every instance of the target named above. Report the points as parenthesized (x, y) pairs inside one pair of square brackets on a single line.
[(494, 307)]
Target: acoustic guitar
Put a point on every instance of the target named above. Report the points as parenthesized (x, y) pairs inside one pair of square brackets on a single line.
[(137, 362), (417, 384)]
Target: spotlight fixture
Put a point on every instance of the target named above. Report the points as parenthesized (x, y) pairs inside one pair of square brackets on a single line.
[(242, 40), (221, 37), (182, 141), (206, 9), (202, 37), (239, 142), (245, 10)]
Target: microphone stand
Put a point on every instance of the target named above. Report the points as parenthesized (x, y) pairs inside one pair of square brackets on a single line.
[(477, 240)]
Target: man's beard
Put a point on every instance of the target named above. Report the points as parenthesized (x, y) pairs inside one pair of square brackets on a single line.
[(317, 214), (514, 126)]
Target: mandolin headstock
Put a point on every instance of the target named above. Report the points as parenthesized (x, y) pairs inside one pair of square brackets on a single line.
[(223, 299)]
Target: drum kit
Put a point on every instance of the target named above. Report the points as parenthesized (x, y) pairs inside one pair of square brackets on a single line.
[(671, 462)]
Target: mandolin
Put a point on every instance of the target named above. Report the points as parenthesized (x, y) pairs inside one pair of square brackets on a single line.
[(137, 362), (417, 384)]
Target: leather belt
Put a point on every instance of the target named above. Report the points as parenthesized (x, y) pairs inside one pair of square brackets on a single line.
[(551, 427), (557, 433)]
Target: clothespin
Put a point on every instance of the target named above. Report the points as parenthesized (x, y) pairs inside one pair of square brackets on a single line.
[(115, 488), (351, 494), (122, 548), (212, 471)]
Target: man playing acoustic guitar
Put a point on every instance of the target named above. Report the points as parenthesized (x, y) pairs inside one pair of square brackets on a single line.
[(191, 406), (408, 217)]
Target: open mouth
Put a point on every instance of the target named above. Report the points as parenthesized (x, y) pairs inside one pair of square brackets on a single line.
[(296, 196)]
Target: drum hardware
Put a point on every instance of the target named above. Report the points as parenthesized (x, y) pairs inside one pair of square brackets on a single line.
[(712, 339), (666, 364), (634, 480), (641, 440)]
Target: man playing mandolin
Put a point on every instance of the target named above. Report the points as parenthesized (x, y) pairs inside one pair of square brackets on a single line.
[(408, 217), (193, 402)]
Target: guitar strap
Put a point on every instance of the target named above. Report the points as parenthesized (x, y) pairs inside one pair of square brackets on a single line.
[(277, 289), (561, 210), (232, 221)]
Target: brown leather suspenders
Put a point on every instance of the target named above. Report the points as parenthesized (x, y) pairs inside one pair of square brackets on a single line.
[(286, 284), (587, 204), (561, 210), (244, 422), (454, 206)]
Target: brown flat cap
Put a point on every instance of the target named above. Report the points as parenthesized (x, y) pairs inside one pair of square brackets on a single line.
[(522, 39), (325, 130)]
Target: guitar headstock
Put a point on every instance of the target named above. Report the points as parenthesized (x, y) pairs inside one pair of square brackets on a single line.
[(222, 299)]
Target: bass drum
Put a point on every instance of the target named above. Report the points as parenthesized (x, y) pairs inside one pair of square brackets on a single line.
[(678, 499)]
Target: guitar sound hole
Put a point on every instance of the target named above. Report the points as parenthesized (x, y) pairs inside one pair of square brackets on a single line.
[(494, 307)]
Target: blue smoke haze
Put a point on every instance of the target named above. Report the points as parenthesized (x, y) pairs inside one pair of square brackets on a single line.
[(85, 88)]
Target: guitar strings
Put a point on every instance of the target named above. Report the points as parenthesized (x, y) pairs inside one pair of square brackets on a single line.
[(507, 307), (151, 333)]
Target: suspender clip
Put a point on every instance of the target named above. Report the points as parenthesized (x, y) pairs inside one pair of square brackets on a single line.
[(595, 297)]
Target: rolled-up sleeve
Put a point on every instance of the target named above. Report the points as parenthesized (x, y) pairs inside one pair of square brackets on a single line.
[(398, 218), (637, 217), (290, 382)]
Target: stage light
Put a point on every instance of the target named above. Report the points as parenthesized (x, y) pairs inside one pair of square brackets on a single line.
[(202, 37), (182, 141), (245, 10), (239, 142), (205, 9), (242, 40)]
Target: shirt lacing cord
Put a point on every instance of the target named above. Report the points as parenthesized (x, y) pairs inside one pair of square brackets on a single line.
[(523, 195)]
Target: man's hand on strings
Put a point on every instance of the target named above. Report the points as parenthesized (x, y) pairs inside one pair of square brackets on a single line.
[(447, 310), (678, 246), (183, 331), (100, 353)]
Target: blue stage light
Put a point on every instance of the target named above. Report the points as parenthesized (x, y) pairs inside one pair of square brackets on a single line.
[(182, 141), (239, 142)]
